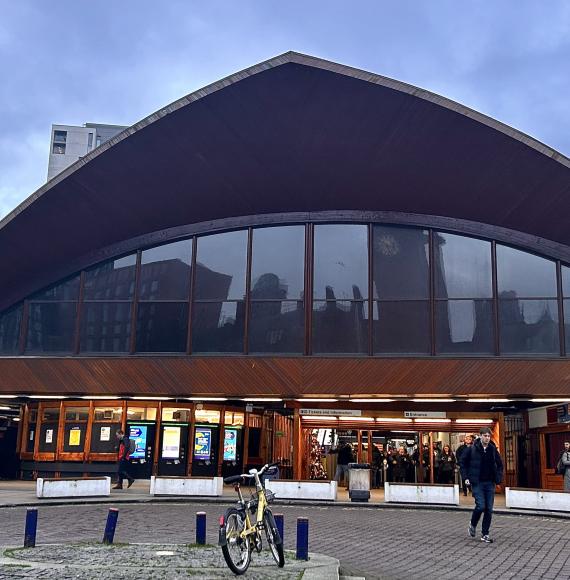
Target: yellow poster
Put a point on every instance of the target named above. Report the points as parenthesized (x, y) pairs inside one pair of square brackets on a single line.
[(75, 437)]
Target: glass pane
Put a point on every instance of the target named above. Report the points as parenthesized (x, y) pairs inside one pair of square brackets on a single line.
[(220, 266), (218, 327), (278, 262), (76, 413), (464, 326), (114, 414), (462, 267), (114, 280), (106, 327), (68, 290), (179, 415), (401, 327), (162, 326), (165, 272), (51, 414), (10, 321), (341, 262), (277, 327), (566, 281), (528, 326), (524, 275), (234, 418), (207, 416), (51, 327), (340, 327), (401, 263), (141, 414)]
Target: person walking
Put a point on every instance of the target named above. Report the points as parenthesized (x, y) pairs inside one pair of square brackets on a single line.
[(465, 444), (482, 468), (123, 463), (563, 465), (345, 457), (400, 463), (446, 465)]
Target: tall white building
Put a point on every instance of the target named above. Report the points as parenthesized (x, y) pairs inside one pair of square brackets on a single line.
[(69, 143)]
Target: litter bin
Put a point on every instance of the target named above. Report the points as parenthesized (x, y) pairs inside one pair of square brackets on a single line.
[(359, 481)]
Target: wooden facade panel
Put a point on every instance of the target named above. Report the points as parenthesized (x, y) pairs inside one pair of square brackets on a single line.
[(287, 377)]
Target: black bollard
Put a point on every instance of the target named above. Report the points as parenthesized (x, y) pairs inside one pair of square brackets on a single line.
[(280, 526), (201, 528), (31, 528), (302, 539), (109, 534)]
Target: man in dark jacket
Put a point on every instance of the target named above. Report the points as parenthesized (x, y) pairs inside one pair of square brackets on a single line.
[(123, 460), (482, 468), (345, 457), (459, 454)]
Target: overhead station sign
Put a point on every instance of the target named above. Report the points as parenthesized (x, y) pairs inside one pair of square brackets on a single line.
[(425, 414), (329, 412)]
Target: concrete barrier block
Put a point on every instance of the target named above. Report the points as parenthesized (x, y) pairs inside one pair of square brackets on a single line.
[(293, 489), (191, 486), (425, 493), (70, 487), (537, 499)]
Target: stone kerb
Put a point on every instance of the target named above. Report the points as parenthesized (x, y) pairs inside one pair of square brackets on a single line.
[(189, 486), (424, 493), (73, 487), (537, 499), (303, 489)]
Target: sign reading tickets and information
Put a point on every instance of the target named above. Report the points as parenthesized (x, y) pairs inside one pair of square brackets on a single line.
[(202, 443), (425, 414), (230, 445), (329, 412)]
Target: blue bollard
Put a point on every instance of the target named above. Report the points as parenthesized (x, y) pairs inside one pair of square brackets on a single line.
[(280, 526), (302, 539), (109, 534), (201, 528), (31, 528)]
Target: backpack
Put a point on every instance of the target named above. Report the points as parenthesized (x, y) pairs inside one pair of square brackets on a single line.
[(132, 446)]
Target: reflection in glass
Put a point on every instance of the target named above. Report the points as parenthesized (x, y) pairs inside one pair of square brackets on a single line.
[(113, 280), (165, 272), (278, 262), (162, 326), (566, 281), (277, 326), (218, 326), (524, 275), (51, 327), (567, 325), (341, 262), (340, 327), (464, 326), (528, 326), (462, 267), (10, 321), (221, 266), (105, 327), (400, 263), (67, 290), (401, 327)]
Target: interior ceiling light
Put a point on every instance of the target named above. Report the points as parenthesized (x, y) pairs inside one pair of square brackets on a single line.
[(16, 419), (8, 396), (206, 398), (432, 420), (371, 400), (151, 398), (402, 431), (426, 400), (319, 418), (477, 421), (393, 420), (317, 400), (5, 408), (486, 400), (47, 397), (356, 418), (550, 400), (262, 400), (99, 397)]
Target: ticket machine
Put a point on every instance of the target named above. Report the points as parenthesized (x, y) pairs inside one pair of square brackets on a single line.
[(141, 460), (206, 449), (173, 458)]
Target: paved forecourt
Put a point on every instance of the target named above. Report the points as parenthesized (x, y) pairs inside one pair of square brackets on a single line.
[(391, 544)]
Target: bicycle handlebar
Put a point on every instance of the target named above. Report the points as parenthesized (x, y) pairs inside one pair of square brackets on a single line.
[(261, 471)]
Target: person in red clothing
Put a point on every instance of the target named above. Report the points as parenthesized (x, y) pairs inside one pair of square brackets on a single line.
[(123, 460)]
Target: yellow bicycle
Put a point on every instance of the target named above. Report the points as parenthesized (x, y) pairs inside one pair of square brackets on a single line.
[(239, 535)]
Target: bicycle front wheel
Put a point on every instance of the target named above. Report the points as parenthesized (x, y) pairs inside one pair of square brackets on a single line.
[(236, 550), (273, 538)]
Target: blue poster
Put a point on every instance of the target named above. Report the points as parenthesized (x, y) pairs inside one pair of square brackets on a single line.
[(138, 433), (202, 443), (230, 444)]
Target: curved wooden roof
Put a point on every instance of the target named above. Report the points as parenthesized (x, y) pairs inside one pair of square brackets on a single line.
[(292, 134)]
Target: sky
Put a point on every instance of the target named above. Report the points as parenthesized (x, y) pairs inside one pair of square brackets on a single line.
[(117, 61)]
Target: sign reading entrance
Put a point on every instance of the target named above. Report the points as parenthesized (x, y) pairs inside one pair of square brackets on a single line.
[(425, 414), (328, 412)]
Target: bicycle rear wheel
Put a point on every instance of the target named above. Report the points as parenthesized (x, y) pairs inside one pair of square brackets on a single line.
[(236, 550), (273, 538)]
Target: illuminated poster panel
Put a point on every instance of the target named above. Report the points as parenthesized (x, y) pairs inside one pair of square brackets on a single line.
[(170, 442), (202, 443), (230, 445), (139, 433)]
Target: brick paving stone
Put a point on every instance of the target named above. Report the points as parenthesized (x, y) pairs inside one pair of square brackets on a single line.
[(386, 544)]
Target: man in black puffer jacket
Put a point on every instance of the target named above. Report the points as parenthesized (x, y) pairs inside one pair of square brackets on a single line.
[(482, 468)]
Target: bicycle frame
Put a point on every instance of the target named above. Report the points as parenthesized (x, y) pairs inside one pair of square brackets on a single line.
[(252, 528)]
